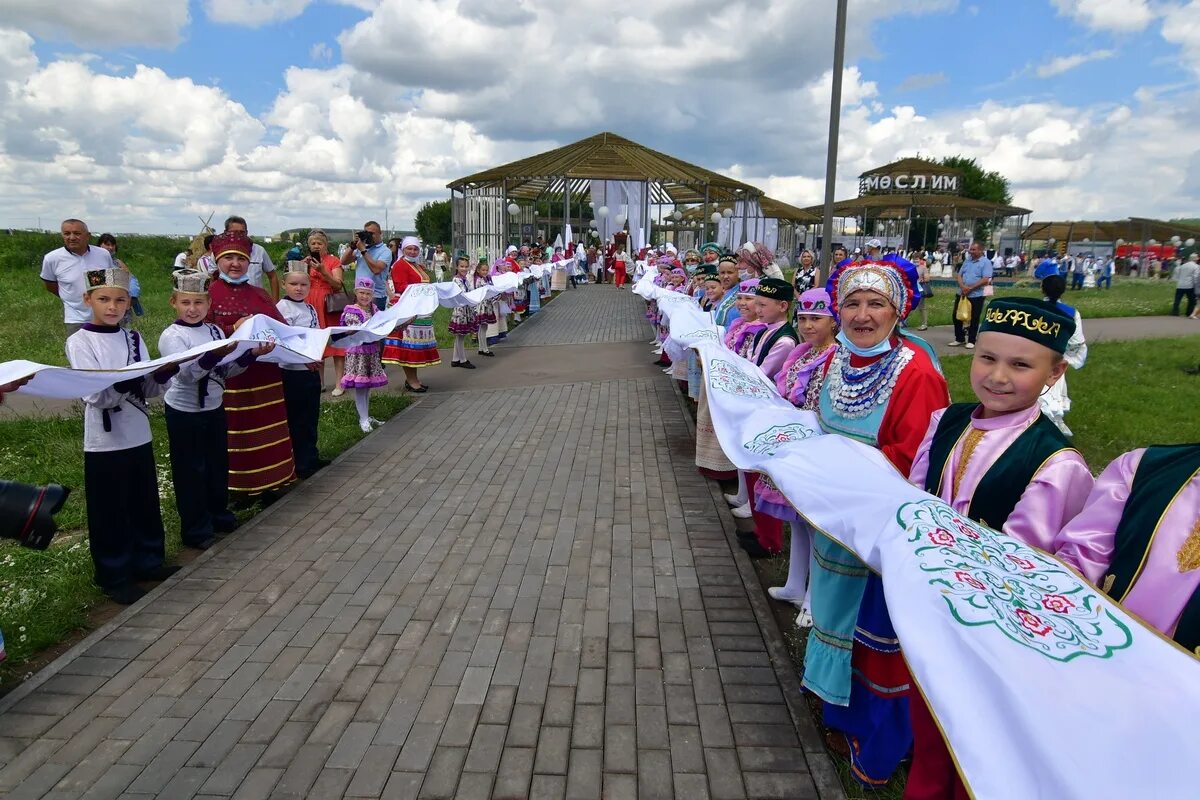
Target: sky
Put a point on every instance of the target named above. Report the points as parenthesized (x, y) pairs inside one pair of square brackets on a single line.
[(145, 115)]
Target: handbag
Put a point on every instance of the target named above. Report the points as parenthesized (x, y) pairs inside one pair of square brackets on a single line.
[(962, 309), (336, 302), (989, 290)]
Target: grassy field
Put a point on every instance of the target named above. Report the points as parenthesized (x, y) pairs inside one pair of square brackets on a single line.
[(1129, 297), (45, 596)]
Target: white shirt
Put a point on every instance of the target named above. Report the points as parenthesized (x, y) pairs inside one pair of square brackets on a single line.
[(1186, 275), (298, 315), (260, 262), (128, 415), (68, 269), (181, 260), (184, 389)]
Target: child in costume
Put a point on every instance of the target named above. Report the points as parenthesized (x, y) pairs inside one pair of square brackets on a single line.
[(485, 312), (1056, 402), (1002, 463), (364, 369), (1138, 538), (771, 347), (301, 382), (125, 528), (799, 382), (195, 414), (463, 321)]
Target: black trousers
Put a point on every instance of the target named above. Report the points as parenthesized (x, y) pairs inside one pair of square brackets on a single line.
[(302, 397), (970, 331), (1180, 294), (125, 528), (200, 472)]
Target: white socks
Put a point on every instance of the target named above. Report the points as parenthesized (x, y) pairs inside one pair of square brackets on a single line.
[(798, 562), (361, 403)]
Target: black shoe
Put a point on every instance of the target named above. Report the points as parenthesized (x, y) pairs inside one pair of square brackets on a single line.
[(126, 594), (416, 389), (225, 525), (159, 573), (488, 353), (467, 365), (317, 466), (203, 544), (753, 548), (456, 363)]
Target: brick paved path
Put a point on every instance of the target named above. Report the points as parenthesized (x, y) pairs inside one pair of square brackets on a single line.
[(587, 315), (551, 611)]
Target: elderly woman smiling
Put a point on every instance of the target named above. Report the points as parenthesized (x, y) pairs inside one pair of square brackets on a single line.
[(881, 388)]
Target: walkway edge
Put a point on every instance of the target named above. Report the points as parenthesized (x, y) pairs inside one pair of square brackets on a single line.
[(821, 768), (47, 672)]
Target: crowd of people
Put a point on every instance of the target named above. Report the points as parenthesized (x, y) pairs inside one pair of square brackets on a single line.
[(841, 349)]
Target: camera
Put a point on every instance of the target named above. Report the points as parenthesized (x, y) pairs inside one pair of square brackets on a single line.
[(27, 512), (364, 237)]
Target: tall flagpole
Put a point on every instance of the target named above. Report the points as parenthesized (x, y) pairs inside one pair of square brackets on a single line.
[(835, 119)]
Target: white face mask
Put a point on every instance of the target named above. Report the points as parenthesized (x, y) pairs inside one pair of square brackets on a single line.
[(411, 259), (744, 274)]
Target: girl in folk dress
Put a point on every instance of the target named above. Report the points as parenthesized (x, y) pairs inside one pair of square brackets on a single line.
[(463, 322), (364, 369), (485, 312), (799, 382), (498, 330)]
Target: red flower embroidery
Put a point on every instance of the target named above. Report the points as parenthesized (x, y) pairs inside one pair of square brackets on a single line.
[(1023, 563), (1032, 622), (1057, 603), (941, 536), (970, 580)]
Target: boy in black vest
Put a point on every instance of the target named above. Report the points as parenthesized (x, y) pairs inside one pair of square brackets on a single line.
[(1003, 464), (773, 344)]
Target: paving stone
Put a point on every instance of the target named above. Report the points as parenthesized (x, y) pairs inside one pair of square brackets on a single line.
[(427, 632)]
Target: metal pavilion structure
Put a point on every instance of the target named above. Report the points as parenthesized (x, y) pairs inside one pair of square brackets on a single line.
[(496, 207)]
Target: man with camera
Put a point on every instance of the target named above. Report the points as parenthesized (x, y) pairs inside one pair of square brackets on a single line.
[(260, 262), (371, 258)]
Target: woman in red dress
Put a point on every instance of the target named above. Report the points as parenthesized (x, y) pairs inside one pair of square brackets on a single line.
[(325, 280), (415, 344), (260, 448)]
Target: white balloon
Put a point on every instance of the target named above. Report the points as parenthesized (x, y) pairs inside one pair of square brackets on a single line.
[(1190, 243), (1175, 240), (1119, 242), (619, 220), (513, 208), (716, 216), (602, 212), (727, 213), (678, 215)]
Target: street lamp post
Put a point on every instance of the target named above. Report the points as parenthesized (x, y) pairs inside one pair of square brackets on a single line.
[(835, 117)]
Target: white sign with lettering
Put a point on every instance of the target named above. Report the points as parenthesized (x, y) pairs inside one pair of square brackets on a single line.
[(904, 182)]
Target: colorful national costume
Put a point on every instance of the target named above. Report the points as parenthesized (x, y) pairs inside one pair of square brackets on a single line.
[(710, 458), (883, 398), (364, 369), (260, 447), (416, 344)]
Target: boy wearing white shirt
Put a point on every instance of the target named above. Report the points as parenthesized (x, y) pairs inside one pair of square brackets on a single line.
[(301, 382), (196, 424), (125, 529)]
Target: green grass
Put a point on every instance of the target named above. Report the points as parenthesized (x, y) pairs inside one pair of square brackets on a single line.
[(46, 596), (1129, 297)]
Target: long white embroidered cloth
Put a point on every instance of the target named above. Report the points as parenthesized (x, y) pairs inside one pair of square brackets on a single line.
[(292, 345), (1044, 687)]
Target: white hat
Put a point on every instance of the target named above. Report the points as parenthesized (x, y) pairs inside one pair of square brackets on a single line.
[(114, 277), (874, 243), (190, 281)]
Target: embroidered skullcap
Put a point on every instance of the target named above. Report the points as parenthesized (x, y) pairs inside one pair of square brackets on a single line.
[(678, 273), (727, 257), (363, 283), (775, 289), (706, 269), (816, 303), (748, 288), (190, 281), (1039, 321), (410, 241), (716, 248), (693, 254), (111, 277), (231, 242), (892, 277)]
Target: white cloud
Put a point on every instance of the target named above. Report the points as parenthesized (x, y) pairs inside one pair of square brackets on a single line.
[(1123, 16), (153, 23), (254, 13), (1181, 26), (1063, 64), (320, 52), (925, 80)]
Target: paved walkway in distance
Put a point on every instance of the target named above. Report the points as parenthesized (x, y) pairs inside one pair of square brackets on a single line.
[(509, 593)]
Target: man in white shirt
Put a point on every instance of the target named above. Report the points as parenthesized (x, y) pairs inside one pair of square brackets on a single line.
[(64, 271), (1187, 277), (260, 262), (181, 260)]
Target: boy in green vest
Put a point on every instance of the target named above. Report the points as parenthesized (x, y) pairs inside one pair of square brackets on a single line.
[(1003, 464)]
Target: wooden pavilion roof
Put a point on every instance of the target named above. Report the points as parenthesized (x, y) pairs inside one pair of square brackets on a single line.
[(1134, 229), (607, 156), (913, 164), (772, 209)]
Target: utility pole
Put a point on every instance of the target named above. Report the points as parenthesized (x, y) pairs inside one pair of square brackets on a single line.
[(835, 118)]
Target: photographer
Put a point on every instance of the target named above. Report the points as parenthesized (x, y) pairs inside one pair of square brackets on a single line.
[(372, 258), (27, 512)]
